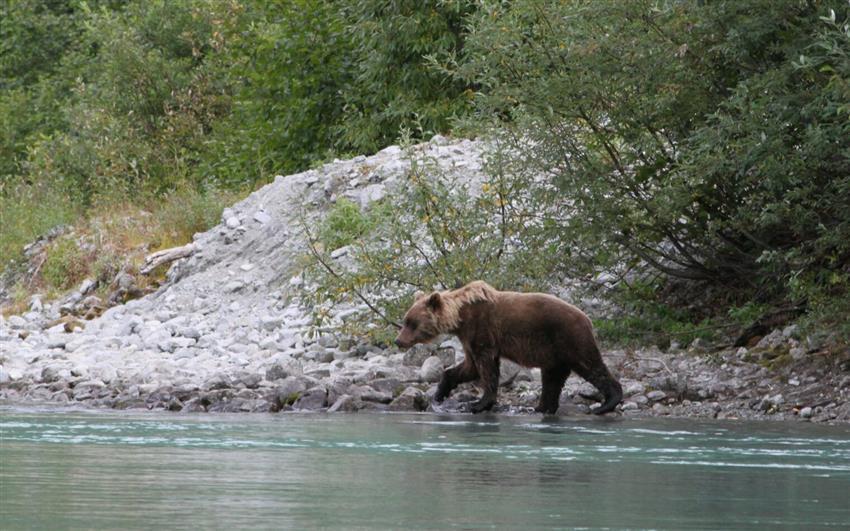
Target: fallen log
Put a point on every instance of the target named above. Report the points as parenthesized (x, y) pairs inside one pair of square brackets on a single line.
[(165, 256)]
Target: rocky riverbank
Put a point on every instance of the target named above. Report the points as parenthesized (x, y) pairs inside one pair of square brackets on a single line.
[(228, 332)]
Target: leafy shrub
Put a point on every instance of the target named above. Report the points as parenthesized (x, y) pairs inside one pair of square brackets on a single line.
[(65, 264), (344, 224), (319, 77), (137, 115), (701, 141), (28, 212), (288, 73), (186, 211), (394, 85), (35, 78), (437, 233)]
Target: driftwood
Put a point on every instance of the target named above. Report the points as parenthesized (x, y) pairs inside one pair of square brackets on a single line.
[(768, 322), (165, 256)]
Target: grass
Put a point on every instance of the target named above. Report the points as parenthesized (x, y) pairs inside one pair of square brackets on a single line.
[(110, 236), (27, 212), (343, 225)]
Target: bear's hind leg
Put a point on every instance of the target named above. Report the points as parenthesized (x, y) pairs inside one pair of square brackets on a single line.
[(488, 371), (553, 382)]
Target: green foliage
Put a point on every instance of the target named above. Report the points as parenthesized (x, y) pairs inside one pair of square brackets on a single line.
[(108, 97), (702, 141), (140, 112), (35, 35), (747, 313), (66, 263), (438, 232), (185, 211), (290, 70), (28, 212), (651, 320), (344, 224), (316, 77), (394, 86)]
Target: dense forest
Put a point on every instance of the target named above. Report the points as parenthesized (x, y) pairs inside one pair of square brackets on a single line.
[(700, 148)]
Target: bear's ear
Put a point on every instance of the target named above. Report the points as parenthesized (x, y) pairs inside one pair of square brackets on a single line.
[(434, 301)]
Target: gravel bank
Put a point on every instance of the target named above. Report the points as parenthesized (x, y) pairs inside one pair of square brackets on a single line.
[(227, 332)]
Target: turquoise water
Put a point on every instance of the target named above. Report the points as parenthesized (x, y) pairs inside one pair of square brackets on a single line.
[(73, 469)]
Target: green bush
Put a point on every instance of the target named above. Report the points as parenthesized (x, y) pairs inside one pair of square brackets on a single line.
[(65, 264), (185, 211), (344, 224), (288, 72), (438, 232), (705, 141), (138, 111), (395, 86), (28, 212), (35, 78), (319, 77)]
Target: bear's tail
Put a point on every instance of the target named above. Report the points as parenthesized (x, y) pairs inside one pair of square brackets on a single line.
[(609, 387)]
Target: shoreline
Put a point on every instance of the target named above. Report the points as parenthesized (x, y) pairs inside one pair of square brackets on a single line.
[(723, 385)]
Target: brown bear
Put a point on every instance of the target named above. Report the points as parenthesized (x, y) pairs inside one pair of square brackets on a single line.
[(532, 329)]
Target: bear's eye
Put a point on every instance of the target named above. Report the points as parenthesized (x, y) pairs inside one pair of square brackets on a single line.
[(412, 325)]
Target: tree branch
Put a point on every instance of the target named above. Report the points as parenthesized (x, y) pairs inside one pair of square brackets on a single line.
[(337, 276)]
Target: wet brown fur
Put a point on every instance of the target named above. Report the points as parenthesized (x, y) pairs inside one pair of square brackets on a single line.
[(532, 329)]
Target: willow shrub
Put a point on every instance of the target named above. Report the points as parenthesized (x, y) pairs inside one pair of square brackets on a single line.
[(701, 141), (313, 78), (435, 232), (696, 149), (393, 86)]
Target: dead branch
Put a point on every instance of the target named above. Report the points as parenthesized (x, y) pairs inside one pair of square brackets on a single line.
[(322, 262), (165, 256), (631, 358)]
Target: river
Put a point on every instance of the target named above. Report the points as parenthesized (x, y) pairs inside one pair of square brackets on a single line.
[(107, 469)]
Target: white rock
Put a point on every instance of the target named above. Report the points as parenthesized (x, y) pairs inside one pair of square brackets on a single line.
[(16, 321), (431, 370), (271, 322), (342, 251), (86, 286), (656, 395), (232, 222), (233, 285), (633, 388), (56, 342), (76, 343)]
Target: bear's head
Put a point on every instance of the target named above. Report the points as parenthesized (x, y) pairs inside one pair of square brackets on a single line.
[(423, 321)]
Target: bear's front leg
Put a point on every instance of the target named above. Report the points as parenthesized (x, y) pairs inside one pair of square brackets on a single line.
[(461, 373), (488, 371)]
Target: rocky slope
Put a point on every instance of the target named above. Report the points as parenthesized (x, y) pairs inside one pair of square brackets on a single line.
[(227, 332)]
